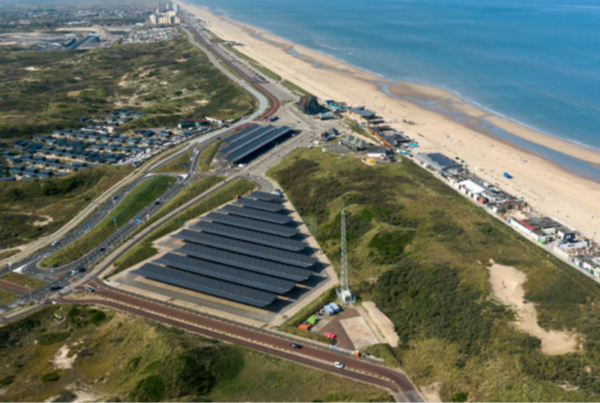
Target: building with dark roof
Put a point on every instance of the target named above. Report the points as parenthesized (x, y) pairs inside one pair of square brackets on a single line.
[(309, 104), (438, 162)]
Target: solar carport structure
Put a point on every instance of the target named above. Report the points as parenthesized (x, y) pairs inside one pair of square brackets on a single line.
[(251, 139), (247, 252)]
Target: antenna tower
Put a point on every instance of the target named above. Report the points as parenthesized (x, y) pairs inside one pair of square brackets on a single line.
[(344, 293)]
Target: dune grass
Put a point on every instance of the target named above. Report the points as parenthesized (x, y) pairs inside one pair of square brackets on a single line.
[(53, 202), (23, 280), (294, 88), (121, 357), (144, 249), (420, 251), (270, 74), (133, 203)]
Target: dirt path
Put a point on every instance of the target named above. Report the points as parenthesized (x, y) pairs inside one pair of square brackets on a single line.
[(383, 324), (507, 286)]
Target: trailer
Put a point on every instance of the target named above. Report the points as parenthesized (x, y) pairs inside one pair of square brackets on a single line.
[(335, 307), (329, 310)]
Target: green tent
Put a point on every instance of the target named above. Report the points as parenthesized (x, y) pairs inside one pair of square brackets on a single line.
[(312, 320)]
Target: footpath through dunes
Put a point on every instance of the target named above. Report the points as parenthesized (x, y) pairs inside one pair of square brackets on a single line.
[(507, 286)]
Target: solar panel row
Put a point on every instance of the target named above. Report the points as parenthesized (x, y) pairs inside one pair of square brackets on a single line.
[(240, 211), (250, 236), (259, 205), (245, 262), (207, 285), (255, 145), (241, 134), (226, 273), (246, 248), (264, 196), (249, 139), (260, 226)]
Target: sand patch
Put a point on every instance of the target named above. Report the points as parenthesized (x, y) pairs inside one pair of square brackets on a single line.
[(61, 359), (382, 323), (507, 286), (431, 393), (32, 68), (42, 223), (73, 93)]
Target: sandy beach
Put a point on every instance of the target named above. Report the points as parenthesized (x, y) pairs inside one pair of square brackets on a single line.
[(548, 187)]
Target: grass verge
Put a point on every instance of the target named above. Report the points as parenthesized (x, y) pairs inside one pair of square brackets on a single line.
[(7, 296), (9, 253), (133, 203), (271, 74), (294, 88), (23, 280), (208, 154), (144, 249), (176, 165)]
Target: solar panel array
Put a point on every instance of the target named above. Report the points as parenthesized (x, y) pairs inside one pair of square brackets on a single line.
[(255, 214), (241, 134), (246, 248), (245, 262), (244, 252), (207, 285), (263, 196), (255, 225), (260, 141), (226, 273), (259, 205), (249, 139)]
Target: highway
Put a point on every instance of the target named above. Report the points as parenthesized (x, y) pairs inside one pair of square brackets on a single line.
[(120, 242)]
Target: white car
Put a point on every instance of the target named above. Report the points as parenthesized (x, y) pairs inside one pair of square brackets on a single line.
[(338, 364)]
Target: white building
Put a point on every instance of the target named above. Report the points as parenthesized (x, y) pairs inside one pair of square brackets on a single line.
[(153, 19)]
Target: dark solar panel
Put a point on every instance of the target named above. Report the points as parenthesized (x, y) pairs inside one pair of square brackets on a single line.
[(250, 139), (259, 205), (255, 214), (226, 273), (263, 196), (245, 262), (250, 236), (246, 248), (207, 285), (255, 145), (254, 225), (241, 134)]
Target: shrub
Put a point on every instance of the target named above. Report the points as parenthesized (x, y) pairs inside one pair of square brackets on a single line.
[(51, 377)]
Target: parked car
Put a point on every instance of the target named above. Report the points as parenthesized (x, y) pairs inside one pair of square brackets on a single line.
[(338, 364), (82, 269), (296, 346), (55, 288)]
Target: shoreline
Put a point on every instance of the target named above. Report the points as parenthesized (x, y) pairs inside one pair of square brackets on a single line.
[(550, 186)]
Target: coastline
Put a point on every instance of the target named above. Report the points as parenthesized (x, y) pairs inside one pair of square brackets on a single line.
[(538, 175)]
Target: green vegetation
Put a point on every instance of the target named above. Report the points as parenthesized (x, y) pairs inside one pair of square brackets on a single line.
[(8, 253), (125, 358), (50, 377), (271, 74), (35, 208), (188, 193), (207, 155), (236, 52), (421, 251), (386, 352), (53, 338), (294, 88), (134, 202), (42, 91), (23, 280), (176, 164), (144, 249), (7, 296)]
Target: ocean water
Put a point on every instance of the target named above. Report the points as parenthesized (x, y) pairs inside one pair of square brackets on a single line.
[(533, 61)]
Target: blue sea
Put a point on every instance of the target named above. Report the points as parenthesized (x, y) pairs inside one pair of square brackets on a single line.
[(533, 61)]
